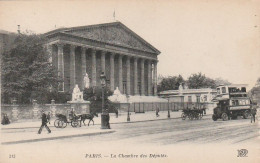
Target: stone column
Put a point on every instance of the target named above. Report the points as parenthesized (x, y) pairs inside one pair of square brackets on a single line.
[(120, 73), (149, 81), (83, 66), (155, 77), (103, 61), (128, 75), (142, 78), (94, 68), (136, 77), (112, 72), (49, 52), (61, 65), (72, 67)]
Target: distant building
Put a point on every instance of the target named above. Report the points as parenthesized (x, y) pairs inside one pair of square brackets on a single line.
[(185, 95)]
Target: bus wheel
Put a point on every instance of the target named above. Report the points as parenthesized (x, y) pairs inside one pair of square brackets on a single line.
[(224, 116), (214, 117), (246, 114)]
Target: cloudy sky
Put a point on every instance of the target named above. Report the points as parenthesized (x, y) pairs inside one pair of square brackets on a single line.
[(215, 37)]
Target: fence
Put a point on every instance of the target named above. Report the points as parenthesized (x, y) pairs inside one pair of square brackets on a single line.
[(164, 106), (34, 111)]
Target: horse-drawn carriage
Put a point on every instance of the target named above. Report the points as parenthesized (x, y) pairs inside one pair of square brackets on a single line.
[(75, 120), (195, 113)]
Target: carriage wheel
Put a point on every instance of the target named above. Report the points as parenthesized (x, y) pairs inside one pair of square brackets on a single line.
[(64, 124), (191, 116), (74, 123), (56, 123), (224, 116), (196, 116), (60, 123), (214, 117), (246, 114), (183, 116)]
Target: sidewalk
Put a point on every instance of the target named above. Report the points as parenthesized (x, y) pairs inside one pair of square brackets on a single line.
[(32, 136), (26, 131), (122, 118)]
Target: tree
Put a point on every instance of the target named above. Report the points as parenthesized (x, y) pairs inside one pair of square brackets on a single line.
[(254, 93), (220, 81), (170, 83), (94, 95), (197, 81), (26, 71)]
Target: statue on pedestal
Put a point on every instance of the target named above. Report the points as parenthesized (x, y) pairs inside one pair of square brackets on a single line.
[(86, 81), (76, 94)]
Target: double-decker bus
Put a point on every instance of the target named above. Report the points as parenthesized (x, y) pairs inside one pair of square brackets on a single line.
[(232, 101)]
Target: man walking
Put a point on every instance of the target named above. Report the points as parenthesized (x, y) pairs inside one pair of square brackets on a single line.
[(44, 123), (157, 112), (253, 113)]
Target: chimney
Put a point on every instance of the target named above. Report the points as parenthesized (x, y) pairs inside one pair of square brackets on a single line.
[(18, 30)]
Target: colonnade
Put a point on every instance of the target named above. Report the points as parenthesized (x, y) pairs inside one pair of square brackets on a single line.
[(144, 69)]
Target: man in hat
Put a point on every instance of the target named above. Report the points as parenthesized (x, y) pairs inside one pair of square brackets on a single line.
[(253, 112), (44, 123)]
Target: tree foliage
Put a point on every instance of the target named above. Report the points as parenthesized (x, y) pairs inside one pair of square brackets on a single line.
[(197, 81), (170, 83), (94, 95), (26, 71), (220, 81)]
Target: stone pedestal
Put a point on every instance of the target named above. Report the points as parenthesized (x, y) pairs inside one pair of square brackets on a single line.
[(53, 108), (80, 107), (35, 109), (15, 111)]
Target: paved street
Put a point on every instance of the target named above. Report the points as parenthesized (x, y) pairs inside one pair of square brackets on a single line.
[(174, 131), (174, 138), (164, 132)]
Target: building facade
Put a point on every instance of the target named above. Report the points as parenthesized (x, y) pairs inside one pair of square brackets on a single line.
[(204, 95), (128, 61)]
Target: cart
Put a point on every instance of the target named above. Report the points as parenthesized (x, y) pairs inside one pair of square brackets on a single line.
[(192, 114), (62, 121)]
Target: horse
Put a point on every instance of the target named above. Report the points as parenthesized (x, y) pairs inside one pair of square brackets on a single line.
[(90, 116)]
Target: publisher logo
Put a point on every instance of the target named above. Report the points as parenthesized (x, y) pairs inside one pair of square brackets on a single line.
[(242, 153)]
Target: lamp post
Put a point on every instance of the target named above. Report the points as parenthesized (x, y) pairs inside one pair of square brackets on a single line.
[(104, 114), (169, 108), (128, 114)]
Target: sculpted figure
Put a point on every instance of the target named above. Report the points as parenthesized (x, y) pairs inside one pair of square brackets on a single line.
[(86, 81)]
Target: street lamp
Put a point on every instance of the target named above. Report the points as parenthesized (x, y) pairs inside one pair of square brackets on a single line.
[(128, 114), (169, 108), (104, 115)]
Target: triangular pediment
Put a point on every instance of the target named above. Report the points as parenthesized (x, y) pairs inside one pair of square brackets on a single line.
[(113, 33)]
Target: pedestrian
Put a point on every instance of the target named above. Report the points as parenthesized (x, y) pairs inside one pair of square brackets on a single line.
[(49, 117), (5, 120), (116, 111), (157, 112), (253, 113), (72, 114), (44, 123)]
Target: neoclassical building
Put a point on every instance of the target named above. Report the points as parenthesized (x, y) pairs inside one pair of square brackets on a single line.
[(128, 61)]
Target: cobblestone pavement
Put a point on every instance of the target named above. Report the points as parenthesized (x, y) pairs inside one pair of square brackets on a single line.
[(170, 131), (175, 138)]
